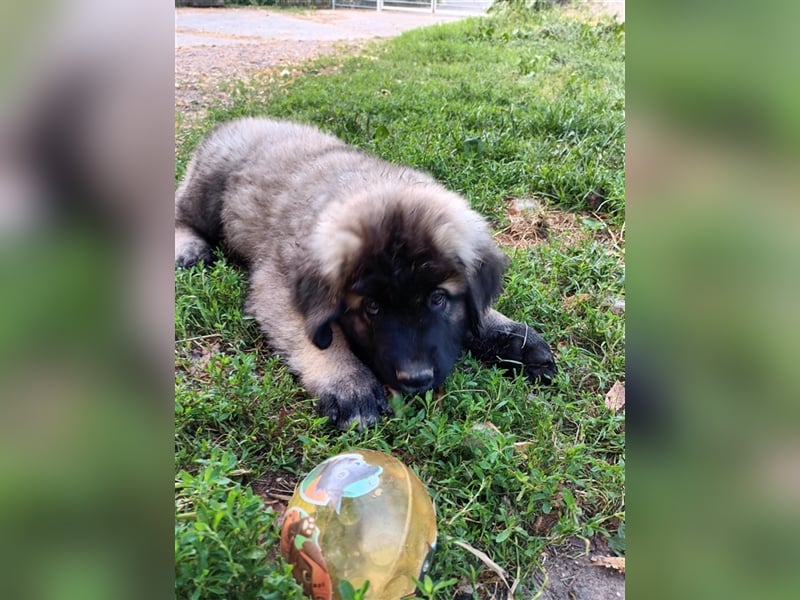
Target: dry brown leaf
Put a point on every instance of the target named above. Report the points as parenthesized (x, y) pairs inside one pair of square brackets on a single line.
[(486, 426), (571, 301), (615, 398), (544, 523), (610, 562), (522, 448)]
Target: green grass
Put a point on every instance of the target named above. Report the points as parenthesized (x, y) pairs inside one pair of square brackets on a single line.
[(508, 106)]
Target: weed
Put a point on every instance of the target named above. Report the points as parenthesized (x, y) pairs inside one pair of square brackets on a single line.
[(219, 531)]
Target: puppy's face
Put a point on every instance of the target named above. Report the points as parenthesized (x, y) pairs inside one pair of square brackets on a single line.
[(409, 328), (405, 284)]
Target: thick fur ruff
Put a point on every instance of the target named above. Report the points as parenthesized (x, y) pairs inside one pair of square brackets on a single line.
[(364, 274)]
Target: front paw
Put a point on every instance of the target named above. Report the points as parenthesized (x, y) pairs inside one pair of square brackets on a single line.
[(537, 358), (526, 350), (360, 400), (516, 347)]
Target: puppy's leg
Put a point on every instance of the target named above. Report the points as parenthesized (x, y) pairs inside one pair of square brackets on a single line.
[(190, 247), (198, 206), (347, 390), (514, 346)]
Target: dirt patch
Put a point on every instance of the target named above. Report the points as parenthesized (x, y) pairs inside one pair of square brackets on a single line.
[(530, 222), (577, 571), (275, 489), (578, 578)]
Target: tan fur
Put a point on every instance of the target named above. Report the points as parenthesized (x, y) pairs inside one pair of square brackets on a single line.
[(454, 286), (457, 232), (316, 368)]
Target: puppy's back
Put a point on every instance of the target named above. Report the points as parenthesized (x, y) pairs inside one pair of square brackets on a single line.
[(237, 174)]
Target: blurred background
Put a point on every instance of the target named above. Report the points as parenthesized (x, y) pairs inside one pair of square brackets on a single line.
[(713, 134), (86, 378), (86, 187)]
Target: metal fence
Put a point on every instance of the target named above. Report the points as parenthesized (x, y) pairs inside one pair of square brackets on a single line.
[(613, 7), (434, 6)]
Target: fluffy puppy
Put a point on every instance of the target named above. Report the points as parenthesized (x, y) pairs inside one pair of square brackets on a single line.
[(363, 275)]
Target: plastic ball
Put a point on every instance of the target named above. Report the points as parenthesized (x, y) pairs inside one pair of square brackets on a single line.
[(360, 515)]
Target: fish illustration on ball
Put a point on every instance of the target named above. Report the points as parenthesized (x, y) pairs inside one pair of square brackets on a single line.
[(343, 476)]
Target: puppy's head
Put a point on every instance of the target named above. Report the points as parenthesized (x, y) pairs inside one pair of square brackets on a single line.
[(406, 274)]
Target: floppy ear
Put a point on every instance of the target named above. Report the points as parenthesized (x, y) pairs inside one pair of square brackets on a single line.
[(319, 306), (485, 281)]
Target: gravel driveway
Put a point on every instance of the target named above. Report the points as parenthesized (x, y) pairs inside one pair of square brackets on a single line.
[(215, 45)]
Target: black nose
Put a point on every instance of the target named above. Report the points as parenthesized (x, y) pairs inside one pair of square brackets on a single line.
[(415, 380)]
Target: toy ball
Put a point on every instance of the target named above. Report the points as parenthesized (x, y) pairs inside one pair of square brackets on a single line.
[(361, 515)]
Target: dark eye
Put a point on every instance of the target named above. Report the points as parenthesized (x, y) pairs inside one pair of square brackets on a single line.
[(371, 307), (437, 300)]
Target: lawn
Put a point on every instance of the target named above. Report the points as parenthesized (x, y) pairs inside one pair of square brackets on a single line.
[(523, 114)]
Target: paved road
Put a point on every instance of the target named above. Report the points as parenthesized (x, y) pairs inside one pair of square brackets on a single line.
[(198, 27)]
